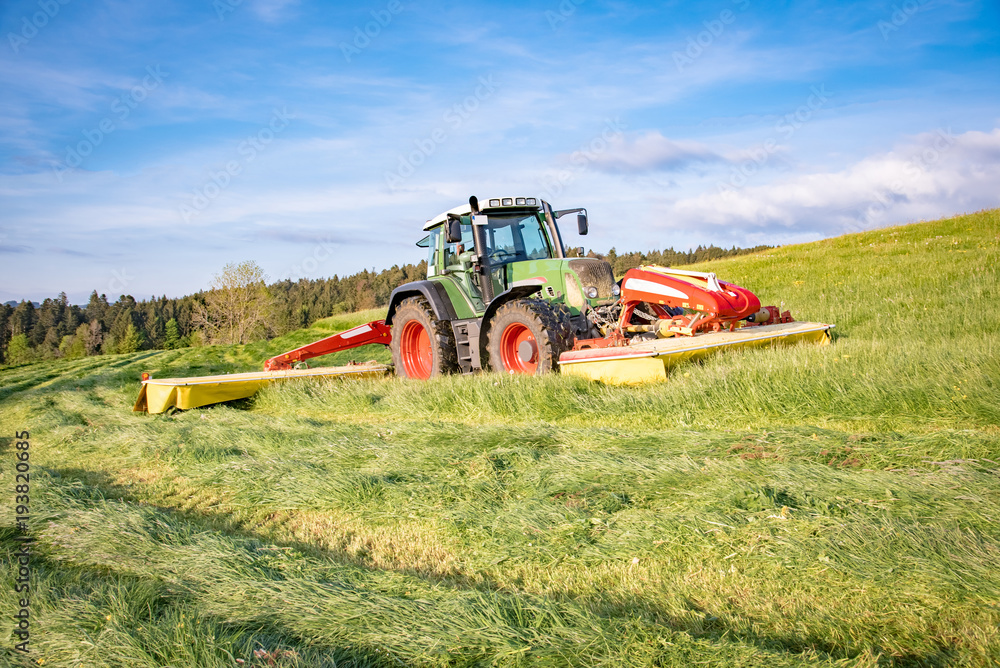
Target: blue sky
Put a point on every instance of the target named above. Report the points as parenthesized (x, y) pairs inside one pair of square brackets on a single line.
[(145, 145)]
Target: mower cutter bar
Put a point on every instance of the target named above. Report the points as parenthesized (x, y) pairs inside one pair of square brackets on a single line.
[(159, 395), (648, 361)]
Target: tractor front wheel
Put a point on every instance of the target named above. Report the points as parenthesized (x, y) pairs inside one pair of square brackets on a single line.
[(422, 346), (527, 336)]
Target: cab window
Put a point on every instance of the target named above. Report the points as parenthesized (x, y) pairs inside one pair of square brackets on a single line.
[(452, 251), (516, 237), (432, 242)]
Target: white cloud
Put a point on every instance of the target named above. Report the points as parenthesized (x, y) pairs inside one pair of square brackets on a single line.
[(934, 174), (652, 152)]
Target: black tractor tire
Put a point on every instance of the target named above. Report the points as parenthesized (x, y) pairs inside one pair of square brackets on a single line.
[(527, 336), (562, 314), (423, 347)]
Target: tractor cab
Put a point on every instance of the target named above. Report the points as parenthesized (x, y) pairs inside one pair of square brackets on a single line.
[(487, 251)]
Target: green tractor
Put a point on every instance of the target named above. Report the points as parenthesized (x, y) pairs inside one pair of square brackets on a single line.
[(500, 292)]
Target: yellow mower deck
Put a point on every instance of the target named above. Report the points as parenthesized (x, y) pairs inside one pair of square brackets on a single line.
[(158, 395), (648, 361)]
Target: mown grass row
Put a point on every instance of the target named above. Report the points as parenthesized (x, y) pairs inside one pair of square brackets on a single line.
[(800, 506)]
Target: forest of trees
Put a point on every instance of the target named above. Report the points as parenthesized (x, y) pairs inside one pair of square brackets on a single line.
[(58, 329)]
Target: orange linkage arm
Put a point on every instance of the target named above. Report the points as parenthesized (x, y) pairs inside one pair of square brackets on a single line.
[(374, 332)]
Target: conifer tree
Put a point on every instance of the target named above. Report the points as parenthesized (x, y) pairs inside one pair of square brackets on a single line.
[(131, 341), (18, 350), (172, 336)]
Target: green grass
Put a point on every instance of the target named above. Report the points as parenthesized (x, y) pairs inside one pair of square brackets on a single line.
[(827, 506)]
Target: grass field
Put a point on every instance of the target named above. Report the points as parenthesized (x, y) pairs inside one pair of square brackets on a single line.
[(819, 506)]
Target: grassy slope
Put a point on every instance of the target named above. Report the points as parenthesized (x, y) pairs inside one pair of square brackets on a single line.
[(801, 506)]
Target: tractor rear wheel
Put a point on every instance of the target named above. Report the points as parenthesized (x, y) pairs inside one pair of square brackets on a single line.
[(422, 346), (527, 336)]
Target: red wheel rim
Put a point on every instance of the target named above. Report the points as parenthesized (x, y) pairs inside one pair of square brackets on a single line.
[(518, 349), (415, 350)]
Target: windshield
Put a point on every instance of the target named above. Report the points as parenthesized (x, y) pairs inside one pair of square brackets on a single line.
[(516, 237)]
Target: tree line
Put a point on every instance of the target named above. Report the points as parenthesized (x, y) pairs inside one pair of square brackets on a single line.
[(669, 257), (57, 329)]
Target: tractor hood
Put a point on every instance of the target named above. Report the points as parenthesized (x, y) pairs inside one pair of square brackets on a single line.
[(574, 277)]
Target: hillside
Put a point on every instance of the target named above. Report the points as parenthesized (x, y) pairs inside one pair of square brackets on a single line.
[(821, 506)]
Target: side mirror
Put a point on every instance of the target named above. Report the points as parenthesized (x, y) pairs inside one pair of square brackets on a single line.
[(581, 223), (454, 230)]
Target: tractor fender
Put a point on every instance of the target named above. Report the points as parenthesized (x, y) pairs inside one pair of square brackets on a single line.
[(516, 292), (432, 291)]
